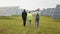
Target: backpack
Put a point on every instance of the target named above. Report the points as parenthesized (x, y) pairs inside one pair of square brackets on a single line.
[(37, 16)]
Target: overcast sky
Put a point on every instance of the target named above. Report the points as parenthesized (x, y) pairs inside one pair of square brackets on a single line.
[(30, 4)]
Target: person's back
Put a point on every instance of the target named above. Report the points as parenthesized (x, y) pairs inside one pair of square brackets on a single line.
[(29, 18), (24, 16), (37, 20), (37, 16)]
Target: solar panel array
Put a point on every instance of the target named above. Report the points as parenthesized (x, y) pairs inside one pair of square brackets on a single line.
[(8, 11), (56, 13), (47, 12)]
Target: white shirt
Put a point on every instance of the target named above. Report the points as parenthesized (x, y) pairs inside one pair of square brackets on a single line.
[(36, 13)]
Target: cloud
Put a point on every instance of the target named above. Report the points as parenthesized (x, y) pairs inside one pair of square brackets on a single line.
[(30, 4)]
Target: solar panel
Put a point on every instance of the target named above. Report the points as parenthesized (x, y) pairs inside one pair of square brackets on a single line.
[(8, 11), (48, 11), (56, 13)]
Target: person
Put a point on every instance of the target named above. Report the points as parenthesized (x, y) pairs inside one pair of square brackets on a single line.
[(29, 18), (24, 16), (37, 18)]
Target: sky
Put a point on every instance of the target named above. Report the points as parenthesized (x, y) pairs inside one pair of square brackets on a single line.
[(30, 4)]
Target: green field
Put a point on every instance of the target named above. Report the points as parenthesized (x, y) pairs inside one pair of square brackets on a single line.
[(14, 25)]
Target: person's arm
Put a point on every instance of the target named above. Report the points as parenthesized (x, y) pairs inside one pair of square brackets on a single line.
[(26, 14), (22, 14)]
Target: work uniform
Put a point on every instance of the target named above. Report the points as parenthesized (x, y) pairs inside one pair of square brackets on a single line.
[(24, 16), (29, 18), (37, 19)]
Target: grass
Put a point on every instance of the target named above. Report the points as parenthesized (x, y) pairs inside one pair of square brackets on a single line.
[(47, 25)]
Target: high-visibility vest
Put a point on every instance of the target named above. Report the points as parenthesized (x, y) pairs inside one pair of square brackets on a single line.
[(29, 16)]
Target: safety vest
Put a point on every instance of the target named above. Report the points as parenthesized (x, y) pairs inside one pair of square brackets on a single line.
[(29, 16)]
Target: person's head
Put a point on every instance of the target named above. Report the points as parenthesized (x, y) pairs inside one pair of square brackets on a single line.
[(38, 9), (24, 10), (29, 12)]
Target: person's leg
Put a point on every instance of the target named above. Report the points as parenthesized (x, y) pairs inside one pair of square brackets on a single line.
[(24, 22), (29, 23), (36, 23)]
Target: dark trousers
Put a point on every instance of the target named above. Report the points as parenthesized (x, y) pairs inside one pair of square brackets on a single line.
[(24, 21), (37, 22)]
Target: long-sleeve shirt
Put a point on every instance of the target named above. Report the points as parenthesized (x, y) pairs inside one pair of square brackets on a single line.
[(29, 16), (24, 14)]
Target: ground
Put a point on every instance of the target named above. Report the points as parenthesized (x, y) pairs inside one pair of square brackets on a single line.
[(14, 25)]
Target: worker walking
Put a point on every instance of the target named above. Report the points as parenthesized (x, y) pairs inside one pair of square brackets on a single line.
[(24, 16), (37, 20), (29, 18)]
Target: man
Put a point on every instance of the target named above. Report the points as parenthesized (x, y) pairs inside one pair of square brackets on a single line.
[(29, 17), (37, 18), (24, 16)]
